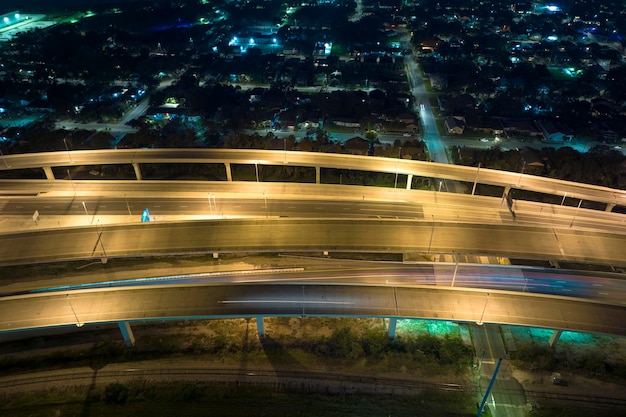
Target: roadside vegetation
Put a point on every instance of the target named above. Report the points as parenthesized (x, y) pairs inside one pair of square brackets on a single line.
[(312, 343), (597, 362), (355, 348), (193, 399)]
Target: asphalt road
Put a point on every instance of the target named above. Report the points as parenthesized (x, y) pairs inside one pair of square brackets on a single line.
[(157, 303), (337, 161), (276, 235), (507, 397), (271, 201), (606, 288)]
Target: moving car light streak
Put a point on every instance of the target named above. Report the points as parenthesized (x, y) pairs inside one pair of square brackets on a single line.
[(601, 287)]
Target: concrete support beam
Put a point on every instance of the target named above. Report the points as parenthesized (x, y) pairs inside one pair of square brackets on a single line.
[(555, 337), (49, 174), (229, 173), (137, 169), (260, 326), (317, 174), (127, 333), (610, 207), (409, 181), (393, 321)]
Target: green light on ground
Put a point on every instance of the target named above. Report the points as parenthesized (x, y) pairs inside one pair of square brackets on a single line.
[(540, 334), (577, 338), (544, 335), (433, 327)]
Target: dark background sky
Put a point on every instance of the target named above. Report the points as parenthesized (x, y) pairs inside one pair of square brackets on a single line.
[(24, 5)]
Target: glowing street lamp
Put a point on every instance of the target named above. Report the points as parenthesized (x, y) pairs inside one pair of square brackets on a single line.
[(86, 212)]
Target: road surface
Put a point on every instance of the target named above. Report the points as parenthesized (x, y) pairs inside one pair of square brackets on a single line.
[(305, 159)]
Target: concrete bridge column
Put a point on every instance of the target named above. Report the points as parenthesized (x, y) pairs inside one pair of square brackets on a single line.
[(49, 173), (393, 321), (229, 174), (317, 174), (555, 337), (409, 181), (127, 333), (610, 207), (137, 169), (260, 326)]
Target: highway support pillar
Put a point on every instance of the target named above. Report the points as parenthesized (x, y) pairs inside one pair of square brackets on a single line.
[(137, 169), (127, 333), (317, 174), (409, 181), (260, 326), (49, 173), (393, 321), (229, 173), (555, 338), (610, 207)]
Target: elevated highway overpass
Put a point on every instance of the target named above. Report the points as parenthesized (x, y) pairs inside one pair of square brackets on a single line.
[(54, 165), (313, 235), (538, 232), (363, 298), (157, 303)]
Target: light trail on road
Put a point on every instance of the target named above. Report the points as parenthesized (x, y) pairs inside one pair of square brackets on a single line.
[(599, 287)]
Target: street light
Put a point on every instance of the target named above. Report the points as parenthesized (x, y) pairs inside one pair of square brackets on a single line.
[(521, 173), (4, 158), (456, 268), (71, 181), (480, 321), (86, 212), (212, 202), (395, 182), (476, 179), (68, 150), (128, 206), (575, 213), (78, 323), (265, 205), (104, 252), (432, 232)]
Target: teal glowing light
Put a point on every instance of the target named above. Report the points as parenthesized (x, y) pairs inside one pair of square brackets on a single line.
[(145, 216), (434, 327)]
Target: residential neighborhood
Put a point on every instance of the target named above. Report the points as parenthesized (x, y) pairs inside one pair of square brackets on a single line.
[(326, 74)]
